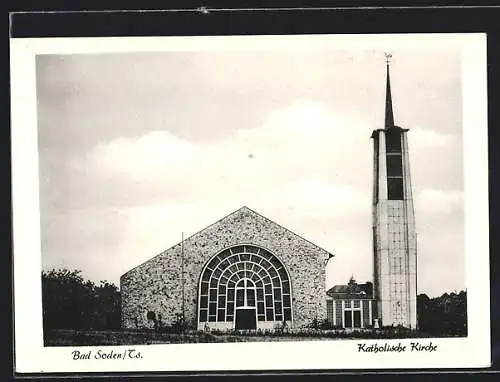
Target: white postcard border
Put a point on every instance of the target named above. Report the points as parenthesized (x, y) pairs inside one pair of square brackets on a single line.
[(31, 356)]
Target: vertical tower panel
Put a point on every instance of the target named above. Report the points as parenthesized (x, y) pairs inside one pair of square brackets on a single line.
[(411, 240)]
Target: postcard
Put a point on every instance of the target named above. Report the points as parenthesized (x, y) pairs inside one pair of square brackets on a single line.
[(232, 203)]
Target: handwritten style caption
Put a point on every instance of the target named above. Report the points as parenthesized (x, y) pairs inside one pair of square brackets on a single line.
[(101, 354), (399, 348)]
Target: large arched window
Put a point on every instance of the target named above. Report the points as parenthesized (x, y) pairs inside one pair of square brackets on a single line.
[(244, 279)]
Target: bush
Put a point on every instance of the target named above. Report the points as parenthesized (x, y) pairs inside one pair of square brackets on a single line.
[(70, 302), (443, 316), (180, 325)]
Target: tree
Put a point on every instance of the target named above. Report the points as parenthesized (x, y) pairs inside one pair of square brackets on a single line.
[(108, 303), (444, 315), (70, 302)]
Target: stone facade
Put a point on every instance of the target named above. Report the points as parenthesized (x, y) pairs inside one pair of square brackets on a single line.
[(156, 285)]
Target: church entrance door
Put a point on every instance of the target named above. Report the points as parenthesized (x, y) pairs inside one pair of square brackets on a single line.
[(245, 319), (246, 316)]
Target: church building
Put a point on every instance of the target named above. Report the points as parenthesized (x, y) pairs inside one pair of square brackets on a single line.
[(242, 272), (248, 272)]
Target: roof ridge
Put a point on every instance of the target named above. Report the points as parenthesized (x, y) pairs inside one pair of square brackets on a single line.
[(186, 238), (243, 208), (279, 225)]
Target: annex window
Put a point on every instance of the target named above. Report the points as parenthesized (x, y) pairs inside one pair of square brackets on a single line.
[(348, 318), (352, 314), (356, 318)]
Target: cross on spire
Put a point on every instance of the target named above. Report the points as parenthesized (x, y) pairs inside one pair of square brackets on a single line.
[(388, 57)]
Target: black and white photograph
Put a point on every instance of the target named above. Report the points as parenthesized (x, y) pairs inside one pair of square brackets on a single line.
[(254, 192)]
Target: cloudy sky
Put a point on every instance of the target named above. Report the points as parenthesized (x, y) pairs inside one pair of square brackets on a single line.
[(136, 148)]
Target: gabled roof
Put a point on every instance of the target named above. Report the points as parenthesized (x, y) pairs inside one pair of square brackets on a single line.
[(250, 211), (351, 291), (246, 210), (241, 213)]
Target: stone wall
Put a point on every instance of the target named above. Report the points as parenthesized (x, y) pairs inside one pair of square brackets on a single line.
[(156, 284)]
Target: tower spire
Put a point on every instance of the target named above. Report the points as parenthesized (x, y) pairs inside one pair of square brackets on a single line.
[(394, 261), (389, 115)]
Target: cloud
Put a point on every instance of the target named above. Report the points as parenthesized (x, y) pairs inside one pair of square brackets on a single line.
[(435, 159), (302, 142), (431, 139), (305, 166), (440, 254), (143, 158), (439, 202), (303, 118), (295, 159), (290, 168), (87, 239), (298, 141), (322, 199)]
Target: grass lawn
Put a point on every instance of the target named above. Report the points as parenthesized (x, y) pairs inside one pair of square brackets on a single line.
[(70, 337)]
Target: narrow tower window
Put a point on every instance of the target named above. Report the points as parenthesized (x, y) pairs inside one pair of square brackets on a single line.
[(394, 161), (393, 141), (394, 165)]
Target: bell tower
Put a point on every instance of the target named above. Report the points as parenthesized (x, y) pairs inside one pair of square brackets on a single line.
[(394, 235)]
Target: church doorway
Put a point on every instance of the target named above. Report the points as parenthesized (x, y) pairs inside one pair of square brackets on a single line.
[(246, 319)]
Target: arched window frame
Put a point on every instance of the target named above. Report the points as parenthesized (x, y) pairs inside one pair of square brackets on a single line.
[(221, 273)]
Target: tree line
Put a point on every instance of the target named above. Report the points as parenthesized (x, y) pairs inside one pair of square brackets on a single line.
[(443, 315), (71, 302)]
